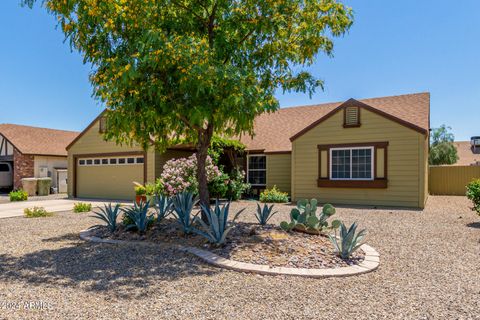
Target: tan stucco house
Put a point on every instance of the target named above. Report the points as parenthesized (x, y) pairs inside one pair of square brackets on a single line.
[(35, 152), (365, 152)]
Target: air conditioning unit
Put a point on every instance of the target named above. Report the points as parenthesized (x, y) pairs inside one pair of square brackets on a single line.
[(43, 172), (475, 144)]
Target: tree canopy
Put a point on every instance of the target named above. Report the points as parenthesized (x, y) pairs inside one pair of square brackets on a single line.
[(184, 70), (442, 149)]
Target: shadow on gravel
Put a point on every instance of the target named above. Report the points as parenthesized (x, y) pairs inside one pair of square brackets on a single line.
[(65, 237), (123, 270), (475, 225)]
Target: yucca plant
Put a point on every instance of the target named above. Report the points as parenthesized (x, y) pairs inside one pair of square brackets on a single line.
[(163, 206), (264, 214), (109, 215), (139, 217), (183, 204), (349, 242), (218, 225)]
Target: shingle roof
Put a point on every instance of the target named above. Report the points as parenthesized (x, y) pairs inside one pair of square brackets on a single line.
[(466, 156), (274, 130), (37, 141)]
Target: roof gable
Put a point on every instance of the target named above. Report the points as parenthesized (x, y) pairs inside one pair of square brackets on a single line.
[(274, 131), (360, 104)]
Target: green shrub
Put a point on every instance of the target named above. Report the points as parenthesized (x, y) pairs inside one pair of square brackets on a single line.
[(36, 212), (82, 207), (218, 187), (150, 189), (140, 190), (18, 195), (237, 185), (349, 241), (273, 195), (109, 215), (473, 193)]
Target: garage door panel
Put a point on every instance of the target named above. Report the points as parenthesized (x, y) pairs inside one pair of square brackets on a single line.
[(108, 182)]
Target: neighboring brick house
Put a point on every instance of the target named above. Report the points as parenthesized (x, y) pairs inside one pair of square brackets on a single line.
[(35, 152)]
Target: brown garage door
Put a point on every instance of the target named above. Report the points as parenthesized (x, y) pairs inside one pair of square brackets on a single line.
[(109, 177)]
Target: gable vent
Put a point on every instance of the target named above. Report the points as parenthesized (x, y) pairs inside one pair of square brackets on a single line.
[(352, 117)]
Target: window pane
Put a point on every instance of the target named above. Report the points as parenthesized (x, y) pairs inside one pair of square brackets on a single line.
[(96, 161), (140, 160), (257, 177), (257, 162), (4, 167), (121, 161), (362, 164), (340, 164), (113, 161), (131, 160), (81, 162), (104, 161), (89, 161)]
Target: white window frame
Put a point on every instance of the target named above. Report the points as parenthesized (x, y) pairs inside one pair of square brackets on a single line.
[(372, 163), (248, 169)]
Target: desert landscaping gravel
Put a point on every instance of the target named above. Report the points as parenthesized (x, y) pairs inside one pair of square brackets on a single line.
[(430, 269)]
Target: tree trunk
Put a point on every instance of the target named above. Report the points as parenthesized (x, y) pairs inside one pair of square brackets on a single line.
[(204, 139)]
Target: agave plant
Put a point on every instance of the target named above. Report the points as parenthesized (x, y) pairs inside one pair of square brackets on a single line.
[(264, 214), (109, 214), (349, 241), (139, 217), (183, 204), (163, 206), (218, 225)]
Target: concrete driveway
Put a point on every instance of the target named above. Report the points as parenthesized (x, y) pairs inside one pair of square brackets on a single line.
[(15, 209)]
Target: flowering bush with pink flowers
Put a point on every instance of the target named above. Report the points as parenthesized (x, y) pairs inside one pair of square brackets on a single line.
[(181, 174)]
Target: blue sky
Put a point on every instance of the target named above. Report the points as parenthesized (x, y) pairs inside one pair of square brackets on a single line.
[(394, 47)]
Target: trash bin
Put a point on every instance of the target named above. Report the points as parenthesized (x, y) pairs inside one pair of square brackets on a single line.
[(43, 186), (29, 185)]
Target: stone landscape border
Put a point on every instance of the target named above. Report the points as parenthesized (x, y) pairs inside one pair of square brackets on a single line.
[(370, 262)]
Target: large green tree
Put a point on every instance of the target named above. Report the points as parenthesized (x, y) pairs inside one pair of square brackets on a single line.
[(184, 70), (442, 149)]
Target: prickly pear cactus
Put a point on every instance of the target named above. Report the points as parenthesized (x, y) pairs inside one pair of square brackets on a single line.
[(328, 210), (287, 226), (303, 218)]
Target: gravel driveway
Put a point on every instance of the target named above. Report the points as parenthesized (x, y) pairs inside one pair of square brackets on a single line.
[(430, 269)]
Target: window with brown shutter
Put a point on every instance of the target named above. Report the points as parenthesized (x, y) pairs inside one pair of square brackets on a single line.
[(351, 117), (356, 165)]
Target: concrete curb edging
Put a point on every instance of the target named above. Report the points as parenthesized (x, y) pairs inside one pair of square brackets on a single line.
[(370, 262)]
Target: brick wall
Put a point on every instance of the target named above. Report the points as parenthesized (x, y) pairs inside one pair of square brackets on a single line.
[(23, 167)]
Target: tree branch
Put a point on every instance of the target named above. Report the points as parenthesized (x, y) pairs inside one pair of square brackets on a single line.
[(184, 7), (211, 26), (190, 125), (245, 37)]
